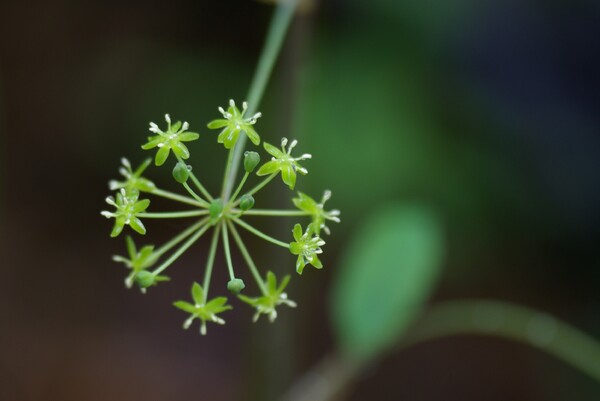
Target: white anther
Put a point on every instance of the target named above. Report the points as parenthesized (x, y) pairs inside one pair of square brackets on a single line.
[(293, 145), (188, 322), (326, 195), (305, 156), (203, 328), (185, 126), (302, 170), (154, 128), (231, 103), (124, 172), (107, 214), (257, 115), (168, 118), (125, 162), (160, 145), (284, 142), (110, 200), (127, 221), (244, 106), (221, 110), (113, 185)]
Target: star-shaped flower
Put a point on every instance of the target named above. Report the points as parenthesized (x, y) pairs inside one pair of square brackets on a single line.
[(200, 310), (307, 247), (233, 123), (317, 211), (133, 179), (128, 206), (169, 140), (284, 162), (137, 261), (269, 301)]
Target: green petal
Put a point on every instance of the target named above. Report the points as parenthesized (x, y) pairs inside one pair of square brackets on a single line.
[(220, 123), (161, 155), (284, 283), (117, 228), (181, 150), (138, 172), (300, 264), (305, 202), (185, 306), (230, 140), (248, 300), (223, 134), (145, 185), (273, 150), (295, 248), (268, 168), (197, 293), (140, 206), (152, 142), (252, 135), (297, 232), (188, 136), (175, 127), (316, 262), (137, 225), (131, 250), (271, 283), (288, 175)]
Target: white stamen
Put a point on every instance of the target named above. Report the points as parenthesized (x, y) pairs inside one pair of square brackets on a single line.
[(244, 106), (221, 111), (335, 219), (123, 192), (154, 128), (107, 214), (302, 170), (127, 221), (160, 145), (185, 126), (125, 162), (113, 185), (292, 145), (203, 328), (305, 156), (284, 142), (231, 103), (334, 212), (257, 116), (124, 172), (110, 200), (168, 118), (228, 116), (326, 195), (237, 126), (188, 322)]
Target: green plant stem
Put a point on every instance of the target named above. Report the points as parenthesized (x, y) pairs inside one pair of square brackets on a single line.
[(226, 185), (210, 261), (176, 197), (172, 215), (259, 281), (239, 188), (257, 188), (511, 321), (279, 25), (272, 212), (182, 249), (195, 195), (199, 185), (260, 233), (227, 250), (180, 237)]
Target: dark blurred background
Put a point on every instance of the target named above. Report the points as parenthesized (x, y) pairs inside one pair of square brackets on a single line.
[(486, 109)]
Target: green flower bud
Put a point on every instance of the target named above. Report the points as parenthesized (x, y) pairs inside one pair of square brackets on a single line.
[(215, 209), (144, 279), (236, 285), (251, 160), (181, 172), (246, 202)]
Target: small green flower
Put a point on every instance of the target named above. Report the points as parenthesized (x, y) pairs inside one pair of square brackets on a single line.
[(137, 261), (284, 162), (204, 311), (306, 247), (317, 211), (133, 179), (273, 298), (234, 123), (128, 206), (170, 140)]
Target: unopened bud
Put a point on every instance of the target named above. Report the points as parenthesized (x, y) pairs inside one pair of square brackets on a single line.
[(236, 285), (246, 202), (251, 160), (181, 172)]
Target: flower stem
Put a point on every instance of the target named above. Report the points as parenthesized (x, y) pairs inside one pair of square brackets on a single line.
[(257, 188), (260, 233), (239, 188), (227, 251), (196, 182), (279, 25), (210, 261), (182, 249), (172, 215), (228, 175), (177, 197), (195, 195), (180, 237), (248, 259), (272, 212)]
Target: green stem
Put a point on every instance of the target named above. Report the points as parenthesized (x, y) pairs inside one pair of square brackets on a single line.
[(176, 197), (227, 251), (260, 233), (196, 182), (195, 195), (272, 212), (257, 188), (172, 215), (248, 259), (226, 185), (210, 261), (239, 188), (511, 321), (180, 237), (279, 25), (182, 249)]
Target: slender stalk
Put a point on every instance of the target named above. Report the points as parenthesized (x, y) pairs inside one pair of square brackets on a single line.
[(260, 233), (182, 249), (227, 251), (199, 185), (210, 261), (225, 192), (195, 195), (239, 188), (172, 215), (248, 258), (279, 25), (177, 197), (180, 237), (257, 188), (272, 212)]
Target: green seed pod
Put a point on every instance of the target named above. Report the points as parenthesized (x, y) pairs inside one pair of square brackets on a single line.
[(181, 172), (144, 279), (215, 209), (251, 160), (246, 202), (236, 285)]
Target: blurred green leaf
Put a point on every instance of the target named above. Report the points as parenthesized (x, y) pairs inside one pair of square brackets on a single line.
[(385, 277)]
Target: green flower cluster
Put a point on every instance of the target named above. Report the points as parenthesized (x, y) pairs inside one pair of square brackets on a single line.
[(233, 209)]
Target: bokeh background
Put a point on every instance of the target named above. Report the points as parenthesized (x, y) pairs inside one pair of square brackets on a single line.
[(486, 110)]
